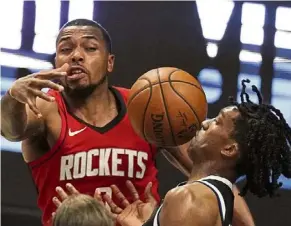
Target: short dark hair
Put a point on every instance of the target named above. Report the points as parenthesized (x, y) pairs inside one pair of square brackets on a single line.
[(91, 23), (82, 210), (264, 138)]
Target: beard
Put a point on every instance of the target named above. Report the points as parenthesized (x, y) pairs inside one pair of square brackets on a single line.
[(84, 92), (80, 93)]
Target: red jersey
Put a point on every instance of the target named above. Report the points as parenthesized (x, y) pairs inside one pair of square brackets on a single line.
[(89, 157)]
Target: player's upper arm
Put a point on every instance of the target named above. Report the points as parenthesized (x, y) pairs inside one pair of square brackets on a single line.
[(36, 126), (183, 207)]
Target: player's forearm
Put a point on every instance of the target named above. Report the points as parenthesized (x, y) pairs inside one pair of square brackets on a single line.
[(13, 118), (175, 162), (241, 214), (178, 157)]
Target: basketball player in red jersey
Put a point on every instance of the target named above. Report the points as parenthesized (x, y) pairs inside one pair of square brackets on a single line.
[(79, 131)]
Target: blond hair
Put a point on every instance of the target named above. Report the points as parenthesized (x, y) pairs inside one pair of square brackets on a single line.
[(82, 210)]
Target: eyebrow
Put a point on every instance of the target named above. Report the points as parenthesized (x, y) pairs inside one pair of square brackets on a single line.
[(90, 37), (64, 38)]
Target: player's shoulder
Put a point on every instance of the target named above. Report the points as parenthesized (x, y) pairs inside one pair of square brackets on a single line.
[(197, 194), (50, 106), (180, 193), (184, 200), (51, 92), (122, 89)]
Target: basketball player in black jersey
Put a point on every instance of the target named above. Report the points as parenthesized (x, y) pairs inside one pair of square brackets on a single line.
[(244, 139)]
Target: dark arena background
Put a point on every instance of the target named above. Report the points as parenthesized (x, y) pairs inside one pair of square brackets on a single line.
[(220, 42)]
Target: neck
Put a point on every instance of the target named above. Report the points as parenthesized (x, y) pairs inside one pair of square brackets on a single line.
[(205, 169), (92, 107)]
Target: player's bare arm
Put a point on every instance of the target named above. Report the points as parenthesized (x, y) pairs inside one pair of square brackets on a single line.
[(24, 104), (241, 213), (184, 207), (178, 157)]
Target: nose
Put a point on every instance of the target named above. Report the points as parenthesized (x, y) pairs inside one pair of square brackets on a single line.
[(77, 56), (205, 124)]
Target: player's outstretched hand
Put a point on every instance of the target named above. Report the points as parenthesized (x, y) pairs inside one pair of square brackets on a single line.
[(71, 190), (62, 194), (136, 213), (28, 88)]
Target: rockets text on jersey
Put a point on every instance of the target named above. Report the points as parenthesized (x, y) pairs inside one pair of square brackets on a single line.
[(103, 162)]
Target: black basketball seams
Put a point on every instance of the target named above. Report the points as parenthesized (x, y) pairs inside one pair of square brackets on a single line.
[(154, 84), (198, 87), (146, 107), (165, 105), (144, 86), (192, 109)]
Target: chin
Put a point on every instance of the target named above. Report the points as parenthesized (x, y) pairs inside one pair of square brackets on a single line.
[(80, 91)]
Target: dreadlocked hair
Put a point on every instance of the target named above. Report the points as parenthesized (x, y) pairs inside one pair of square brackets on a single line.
[(264, 138)]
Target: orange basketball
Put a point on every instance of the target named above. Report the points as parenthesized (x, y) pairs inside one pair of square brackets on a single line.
[(166, 106)]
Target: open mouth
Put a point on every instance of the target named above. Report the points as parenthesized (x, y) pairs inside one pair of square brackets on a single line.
[(76, 70), (76, 73)]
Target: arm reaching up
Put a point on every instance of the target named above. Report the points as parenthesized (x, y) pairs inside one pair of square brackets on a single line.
[(21, 109)]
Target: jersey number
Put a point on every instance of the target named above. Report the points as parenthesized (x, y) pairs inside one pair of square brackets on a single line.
[(108, 191)]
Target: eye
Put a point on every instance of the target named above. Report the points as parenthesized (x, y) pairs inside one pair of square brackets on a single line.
[(91, 49), (63, 50)]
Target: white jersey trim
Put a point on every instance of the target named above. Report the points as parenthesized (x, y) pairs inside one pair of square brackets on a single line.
[(220, 197), (156, 220), (221, 179)]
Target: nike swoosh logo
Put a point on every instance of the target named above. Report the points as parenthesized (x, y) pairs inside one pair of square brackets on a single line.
[(71, 134)]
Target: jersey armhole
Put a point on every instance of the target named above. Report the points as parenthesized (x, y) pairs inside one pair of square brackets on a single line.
[(48, 155), (219, 197)]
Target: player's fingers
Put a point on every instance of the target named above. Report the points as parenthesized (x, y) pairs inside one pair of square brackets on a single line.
[(49, 75), (42, 95), (132, 190), (114, 208), (53, 215), (97, 196), (33, 108), (71, 189), (64, 67), (57, 202), (149, 197), (63, 195), (46, 84), (55, 73), (119, 195)]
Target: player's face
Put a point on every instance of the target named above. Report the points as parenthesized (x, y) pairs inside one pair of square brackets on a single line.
[(84, 49), (213, 139)]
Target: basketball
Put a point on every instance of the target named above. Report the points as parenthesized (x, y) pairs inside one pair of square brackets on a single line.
[(166, 106)]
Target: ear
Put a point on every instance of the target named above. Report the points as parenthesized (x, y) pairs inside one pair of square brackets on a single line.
[(110, 65), (230, 150)]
